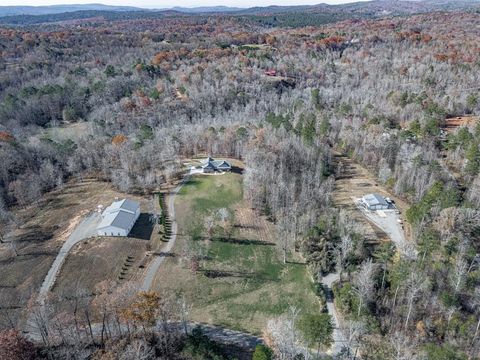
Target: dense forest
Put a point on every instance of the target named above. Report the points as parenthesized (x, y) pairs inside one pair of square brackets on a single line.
[(142, 94)]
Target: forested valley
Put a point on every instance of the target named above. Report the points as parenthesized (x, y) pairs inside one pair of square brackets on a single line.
[(125, 101)]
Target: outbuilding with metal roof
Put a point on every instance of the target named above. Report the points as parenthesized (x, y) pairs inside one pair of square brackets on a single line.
[(118, 218)]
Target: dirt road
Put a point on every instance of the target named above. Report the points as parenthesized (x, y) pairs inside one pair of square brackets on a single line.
[(84, 230), (392, 225)]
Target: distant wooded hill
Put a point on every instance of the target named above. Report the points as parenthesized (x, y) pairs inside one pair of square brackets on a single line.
[(269, 16)]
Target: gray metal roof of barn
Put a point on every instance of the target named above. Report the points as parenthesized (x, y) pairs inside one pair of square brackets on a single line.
[(125, 204), (120, 219), (375, 199)]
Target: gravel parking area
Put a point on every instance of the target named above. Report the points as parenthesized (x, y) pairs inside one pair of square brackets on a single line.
[(390, 222)]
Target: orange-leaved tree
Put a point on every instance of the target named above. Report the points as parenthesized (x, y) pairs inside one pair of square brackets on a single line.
[(144, 309), (119, 139)]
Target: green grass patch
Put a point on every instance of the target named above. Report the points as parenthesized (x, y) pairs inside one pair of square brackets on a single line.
[(242, 282), (212, 192)]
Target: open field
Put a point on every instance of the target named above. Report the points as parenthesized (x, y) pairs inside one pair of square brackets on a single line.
[(355, 181), (241, 281), (43, 228), (69, 131)]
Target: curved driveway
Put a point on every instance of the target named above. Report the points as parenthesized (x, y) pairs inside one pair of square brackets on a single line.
[(83, 231), (157, 262)]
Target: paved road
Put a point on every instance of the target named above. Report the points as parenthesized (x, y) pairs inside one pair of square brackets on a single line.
[(158, 260), (83, 231)]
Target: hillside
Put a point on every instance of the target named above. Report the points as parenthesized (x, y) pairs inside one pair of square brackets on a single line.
[(57, 9), (304, 183), (270, 16)]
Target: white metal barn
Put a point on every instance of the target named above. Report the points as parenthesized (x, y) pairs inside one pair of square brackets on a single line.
[(118, 219), (374, 202)]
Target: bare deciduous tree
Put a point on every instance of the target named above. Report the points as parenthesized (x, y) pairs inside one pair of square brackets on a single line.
[(364, 283)]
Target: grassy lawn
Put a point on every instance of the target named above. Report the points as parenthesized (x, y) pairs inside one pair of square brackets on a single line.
[(211, 192), (242, 281)]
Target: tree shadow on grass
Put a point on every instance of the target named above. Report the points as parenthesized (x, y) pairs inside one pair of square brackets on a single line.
[(22, 257), (215, 274), (296, 262), (244, 241), (164, 254), (238, 226), (34, 254), (35, 234), (253, 277), (192, 182)]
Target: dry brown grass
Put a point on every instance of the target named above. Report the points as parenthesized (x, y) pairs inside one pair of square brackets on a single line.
[(355, 182), (44, 226), (101, 259), (452, 124)]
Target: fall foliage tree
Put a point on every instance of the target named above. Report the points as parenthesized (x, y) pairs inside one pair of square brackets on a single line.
[(144, 309)]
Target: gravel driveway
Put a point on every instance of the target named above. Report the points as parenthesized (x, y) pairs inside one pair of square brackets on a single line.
[(389, 222), (339, 341), (83, 231), (158, 260)]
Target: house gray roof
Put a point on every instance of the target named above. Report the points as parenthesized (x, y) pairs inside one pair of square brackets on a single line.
[(209, 165), (375, 199), (221, 164), (215, 164)]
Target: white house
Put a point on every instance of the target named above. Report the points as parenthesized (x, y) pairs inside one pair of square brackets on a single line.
[(118, 218)]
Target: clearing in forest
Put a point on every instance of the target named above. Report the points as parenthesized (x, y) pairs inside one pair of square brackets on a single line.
[(451, 124), (240, 280), (42, 229), (352, 183)]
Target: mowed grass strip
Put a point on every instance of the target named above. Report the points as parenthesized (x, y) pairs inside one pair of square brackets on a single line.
[(242, 281)]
